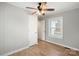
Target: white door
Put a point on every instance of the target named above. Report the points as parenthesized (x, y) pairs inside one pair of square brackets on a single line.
[(33, 34)]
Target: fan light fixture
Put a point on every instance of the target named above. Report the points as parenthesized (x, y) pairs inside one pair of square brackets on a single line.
[(41, 8)]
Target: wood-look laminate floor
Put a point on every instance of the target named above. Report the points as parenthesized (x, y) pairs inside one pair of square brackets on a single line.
[(44, 48)]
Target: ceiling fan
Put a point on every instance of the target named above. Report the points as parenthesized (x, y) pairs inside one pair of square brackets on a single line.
[(41, 8)]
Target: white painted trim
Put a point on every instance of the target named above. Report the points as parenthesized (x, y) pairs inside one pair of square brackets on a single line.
[(36, 43), (20, 49), (63, 45), (9, 53)]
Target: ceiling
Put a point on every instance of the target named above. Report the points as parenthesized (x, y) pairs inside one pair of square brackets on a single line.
[(58, 6)]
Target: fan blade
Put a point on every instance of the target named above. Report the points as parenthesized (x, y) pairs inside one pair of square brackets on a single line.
[(31, 8), (34, 12), (50, 9)]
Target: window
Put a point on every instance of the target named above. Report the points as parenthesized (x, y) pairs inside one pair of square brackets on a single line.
[(56, 27)]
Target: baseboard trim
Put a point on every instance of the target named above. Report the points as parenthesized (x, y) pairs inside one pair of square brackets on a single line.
[(20, 49), (63, 45), (7, 54)]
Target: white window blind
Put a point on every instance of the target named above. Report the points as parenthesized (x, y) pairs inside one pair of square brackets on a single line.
[(56, 28)]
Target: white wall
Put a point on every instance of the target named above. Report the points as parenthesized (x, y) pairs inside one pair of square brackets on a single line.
[(14, 28), (41, 29), (33, 32), (71, 29)]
